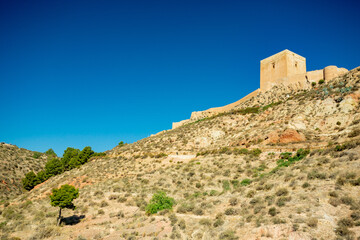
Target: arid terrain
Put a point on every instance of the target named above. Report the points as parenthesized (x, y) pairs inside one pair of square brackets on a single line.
[(282, 165), (15, 163)]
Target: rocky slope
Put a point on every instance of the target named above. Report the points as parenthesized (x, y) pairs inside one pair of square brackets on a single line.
[(15, 163), (229, 174)]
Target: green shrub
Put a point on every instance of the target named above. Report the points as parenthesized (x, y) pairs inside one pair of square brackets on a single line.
[(158, 202), (226, 185), (313, 84), (255, 152), (321, 81), (245, 182), (37, 155), (272, 211)]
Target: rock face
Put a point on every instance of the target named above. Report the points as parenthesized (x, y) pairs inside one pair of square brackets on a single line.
[(291, 136)]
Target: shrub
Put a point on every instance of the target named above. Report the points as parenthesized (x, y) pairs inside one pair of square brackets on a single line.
[(346, 222), (158, 202), (198, 211), (282, 200), (37, 155), (272, 211), (245, 182), (344, 232), (306, 185), (282, 192), (185, 207), (226, 185), (313, 84), (354, 133), (233, 201), (231, 211), (255, 152), (321, 81), (182, 224), (312, 222), (218, 222), (205, 222), (173, 219), (228, 235)]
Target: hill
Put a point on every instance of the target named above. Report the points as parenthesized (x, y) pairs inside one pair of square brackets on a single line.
[(281, 165), (15, 163)]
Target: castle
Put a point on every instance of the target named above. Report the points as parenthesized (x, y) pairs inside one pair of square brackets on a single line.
[(284, 68)]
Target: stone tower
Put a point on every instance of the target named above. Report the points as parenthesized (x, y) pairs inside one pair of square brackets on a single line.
[(279, 67)]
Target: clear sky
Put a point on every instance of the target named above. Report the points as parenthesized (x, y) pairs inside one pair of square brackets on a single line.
[(93, 73)]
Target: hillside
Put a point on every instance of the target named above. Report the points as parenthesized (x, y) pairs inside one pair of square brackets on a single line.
[(243, 174), (15, 163)]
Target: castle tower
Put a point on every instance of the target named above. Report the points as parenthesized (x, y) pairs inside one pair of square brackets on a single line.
[(277, 68)]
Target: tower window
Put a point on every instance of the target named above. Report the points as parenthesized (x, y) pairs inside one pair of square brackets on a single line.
[(273, 65), (295, 64)]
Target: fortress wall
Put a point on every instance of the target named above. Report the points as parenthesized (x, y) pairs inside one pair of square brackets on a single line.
[(315, 76), (217, 110), (213, 111), (178, 124), (331, 72)]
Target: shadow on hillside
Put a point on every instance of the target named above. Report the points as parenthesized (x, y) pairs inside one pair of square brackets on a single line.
[(75, 219)]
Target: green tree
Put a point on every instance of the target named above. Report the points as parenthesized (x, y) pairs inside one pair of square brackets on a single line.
[(63, 198), (74, 162), (53, 167), (30, 181), (121, 143), (85, 154), (42, 176), (51, 152), (69, 153), (158, 202)]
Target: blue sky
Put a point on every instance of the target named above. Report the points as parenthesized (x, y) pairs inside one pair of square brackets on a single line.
[(93, 73)]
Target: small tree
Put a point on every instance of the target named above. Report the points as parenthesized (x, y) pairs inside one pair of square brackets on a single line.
[(63, 198)]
